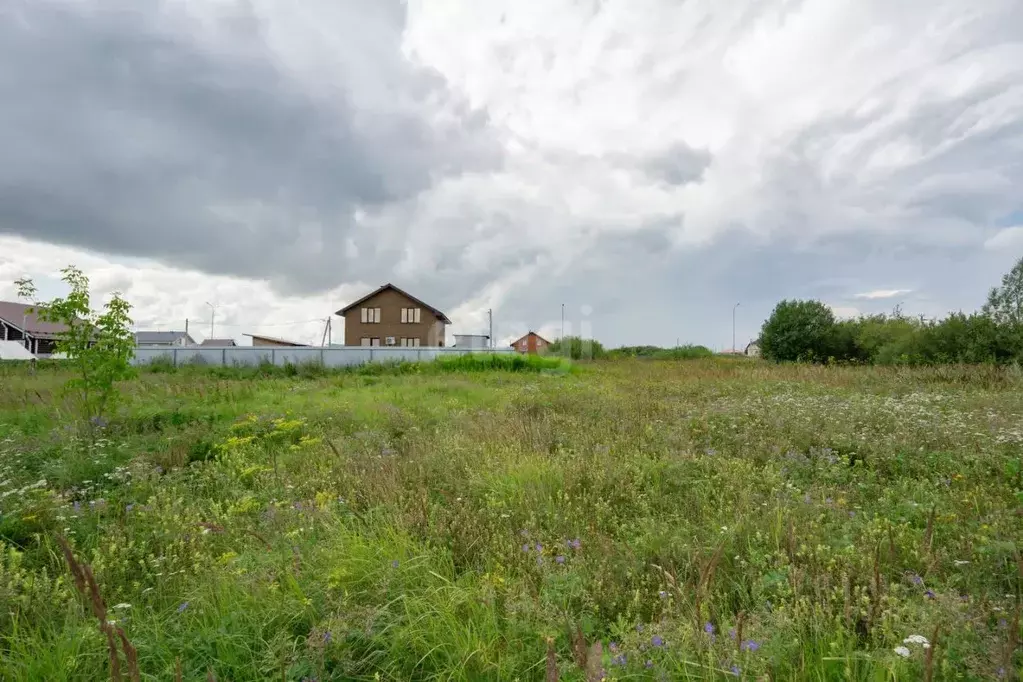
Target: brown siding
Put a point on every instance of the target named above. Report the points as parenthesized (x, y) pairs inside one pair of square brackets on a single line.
[(533, 344), (256, 341), (429, 331)]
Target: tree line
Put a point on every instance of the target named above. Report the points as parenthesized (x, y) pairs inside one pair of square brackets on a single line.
[(806, 330)]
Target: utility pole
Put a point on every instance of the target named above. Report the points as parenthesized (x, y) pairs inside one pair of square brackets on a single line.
[(562, 320), (213, 316), (733, 326), (330, 331)]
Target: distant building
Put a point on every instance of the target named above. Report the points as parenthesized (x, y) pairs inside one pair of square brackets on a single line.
[(17, 323), (258, 340), (218, 343), (163, 339), (472, 341), (532, 343), (753, 349), (389, 316)]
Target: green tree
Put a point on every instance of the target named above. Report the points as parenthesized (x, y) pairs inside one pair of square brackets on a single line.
[(1005, 303), (798, 330), (98, 344)]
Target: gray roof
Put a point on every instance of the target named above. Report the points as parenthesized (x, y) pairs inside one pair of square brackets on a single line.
[(18, 314), (218, 342), (160, 337)]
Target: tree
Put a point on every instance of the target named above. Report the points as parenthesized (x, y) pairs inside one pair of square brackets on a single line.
[(798, 330), (99, 345), (1005, 303), (577, 348)]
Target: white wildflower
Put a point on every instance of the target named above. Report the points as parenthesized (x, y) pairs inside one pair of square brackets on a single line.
[(902, 651), (960, 562), (917, 639), (122, 606)]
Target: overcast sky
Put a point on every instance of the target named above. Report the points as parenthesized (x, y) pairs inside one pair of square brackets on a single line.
[(646, 163)]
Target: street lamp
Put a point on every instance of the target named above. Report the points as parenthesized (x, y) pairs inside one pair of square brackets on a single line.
[(213, 315), (733, 326)]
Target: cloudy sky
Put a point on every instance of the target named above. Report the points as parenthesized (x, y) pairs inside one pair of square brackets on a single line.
[(646, 163)]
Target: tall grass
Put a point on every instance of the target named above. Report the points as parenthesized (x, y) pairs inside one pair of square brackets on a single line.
[(492, 519)]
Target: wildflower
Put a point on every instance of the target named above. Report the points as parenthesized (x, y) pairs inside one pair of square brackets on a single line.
[(539, 547), (648, 664), (960, 562), (657, 641), (916, 580), (929, 594), (524, 533), (128, 507), (122, 606), (394, 563), (539, 561), (613, 646), (326, 637), (711, 451), (662, 594), (575, 544), (751, 645), (77, 506), (639, 627), (708, 628), (917, 639), (525, 548), (736, 670), (619, 660), (1001, 673), (98, 422), (184, 605), (560, 559), (902, 651), (731, 633)]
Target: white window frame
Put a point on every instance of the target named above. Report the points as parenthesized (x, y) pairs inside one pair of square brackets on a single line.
[(365, 341), (371, 315), (411, 315), (415, 341), (374, 342)]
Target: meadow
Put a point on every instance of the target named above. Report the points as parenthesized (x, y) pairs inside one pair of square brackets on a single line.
[(631, 520)]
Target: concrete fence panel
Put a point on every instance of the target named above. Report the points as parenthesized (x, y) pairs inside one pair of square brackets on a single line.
[(327, 356)]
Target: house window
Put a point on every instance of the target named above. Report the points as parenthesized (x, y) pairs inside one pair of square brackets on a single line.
[(365, 340), (410, 343), (371, 315), (410, 315), (374, 342)]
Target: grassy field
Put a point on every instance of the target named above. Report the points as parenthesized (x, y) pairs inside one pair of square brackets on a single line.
[(699, 520)]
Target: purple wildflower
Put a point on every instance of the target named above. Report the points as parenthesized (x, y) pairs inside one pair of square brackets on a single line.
[(929, 594), (736, 670), (129, 507), (539, 547), (575, 544), (560, 559), (613, 646), (77, 506), (648, 664), (326, 637), (917, 580), (751, 645), (708, 628), (394, 563), (1001, 673), (525, 548), (1002, 623), (662, 594), (731, 633), (184, 605), (639, 627), (619, 660), (656, 640)]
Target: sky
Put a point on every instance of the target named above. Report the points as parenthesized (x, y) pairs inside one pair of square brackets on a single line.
[(643, 165)]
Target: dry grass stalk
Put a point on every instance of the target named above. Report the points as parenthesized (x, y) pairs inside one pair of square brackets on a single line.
[(594, 663), (875, 602), (86, 585), (929, 533), (929, 656), (552, 661), (703, 586), (738, 630), (177, 670)]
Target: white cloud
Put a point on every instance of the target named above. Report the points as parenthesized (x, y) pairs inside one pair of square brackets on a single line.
[(845, 312), (880, 294), (657, 161)]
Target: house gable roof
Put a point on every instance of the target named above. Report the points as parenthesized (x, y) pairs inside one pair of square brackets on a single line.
[(527, 335), (17, 314), (442, 316), (161, 337), (283, 342)]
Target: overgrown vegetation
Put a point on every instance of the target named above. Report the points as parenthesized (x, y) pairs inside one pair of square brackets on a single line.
[(808, 331), (98, 344), (686, 352), (577, 348), (639, 520)]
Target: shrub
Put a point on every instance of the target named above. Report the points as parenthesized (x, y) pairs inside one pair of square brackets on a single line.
[(799, 330), (577, 348)]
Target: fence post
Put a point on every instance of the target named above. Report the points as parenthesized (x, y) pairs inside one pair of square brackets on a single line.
[(174, 357), (223, 357), (273, 357)]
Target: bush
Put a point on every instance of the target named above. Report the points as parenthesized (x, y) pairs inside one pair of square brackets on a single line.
[(687, 352), (577, 348), (799, 330)]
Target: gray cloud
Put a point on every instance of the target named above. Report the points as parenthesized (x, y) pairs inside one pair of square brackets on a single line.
[(124, 133)]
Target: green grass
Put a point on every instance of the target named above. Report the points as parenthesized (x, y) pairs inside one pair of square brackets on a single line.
[(383, 523)]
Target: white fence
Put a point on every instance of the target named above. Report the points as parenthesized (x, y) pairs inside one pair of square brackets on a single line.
[(328, 356)]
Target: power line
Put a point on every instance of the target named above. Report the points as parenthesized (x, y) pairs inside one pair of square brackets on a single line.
[(258, 324)]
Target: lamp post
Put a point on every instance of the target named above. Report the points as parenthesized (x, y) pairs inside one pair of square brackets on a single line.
[(213, 316), (733, 326), (562, 321)]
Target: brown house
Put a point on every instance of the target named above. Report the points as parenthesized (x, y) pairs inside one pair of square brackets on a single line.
[(392, 317), (532, 343)]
